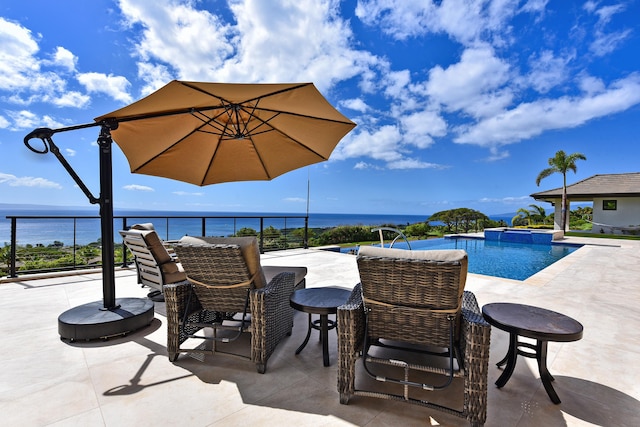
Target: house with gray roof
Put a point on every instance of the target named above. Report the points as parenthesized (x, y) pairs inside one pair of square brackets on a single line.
[(615, 197)]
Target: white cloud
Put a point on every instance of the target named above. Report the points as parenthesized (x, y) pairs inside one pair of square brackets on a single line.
[(530, 119), (607, 43), (591, 85), (517, 200), (23, 75), (475, 85), (64, 58), (185, 193), (266, 42), (420, 127), (355, 105), (295, 200), (114, 86), (135, 187), (25, 119), (17, 62), (365, 165), (413, 164), (70, 152), (27, 181), (381, 144), (466, 21), (547, 71)]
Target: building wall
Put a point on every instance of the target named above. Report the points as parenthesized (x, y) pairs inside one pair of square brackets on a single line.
[(626, 214)]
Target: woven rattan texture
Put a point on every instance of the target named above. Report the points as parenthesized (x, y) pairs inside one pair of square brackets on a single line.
[(218, 268), (405, 292), (473, 345)]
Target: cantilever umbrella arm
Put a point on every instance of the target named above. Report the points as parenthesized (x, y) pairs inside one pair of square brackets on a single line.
[(45, 135), (106, 192), (109, 317)]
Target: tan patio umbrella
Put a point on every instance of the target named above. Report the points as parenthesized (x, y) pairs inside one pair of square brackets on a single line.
[(207, 133), (202, 133)]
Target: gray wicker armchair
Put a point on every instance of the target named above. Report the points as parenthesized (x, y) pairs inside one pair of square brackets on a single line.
[(408, 319), (228, 293)]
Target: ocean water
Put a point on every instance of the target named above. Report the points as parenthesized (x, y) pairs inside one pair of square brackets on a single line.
[(87, 230)]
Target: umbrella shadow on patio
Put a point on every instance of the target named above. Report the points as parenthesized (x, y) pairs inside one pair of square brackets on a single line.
[(595, 403)]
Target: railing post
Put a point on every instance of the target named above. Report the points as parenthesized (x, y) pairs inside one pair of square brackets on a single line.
[(75, 229), (12, 268), (306, 232), (124, 246), (261, 235), (285, 233), (204, 226)]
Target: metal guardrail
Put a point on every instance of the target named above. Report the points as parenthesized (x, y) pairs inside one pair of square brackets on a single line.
[(274, 232)]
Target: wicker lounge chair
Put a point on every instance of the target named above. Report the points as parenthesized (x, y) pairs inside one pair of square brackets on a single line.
[(156, 262), (408, 319), (229, 293)]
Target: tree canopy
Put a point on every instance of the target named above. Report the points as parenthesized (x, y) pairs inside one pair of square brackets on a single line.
[(463, 218)]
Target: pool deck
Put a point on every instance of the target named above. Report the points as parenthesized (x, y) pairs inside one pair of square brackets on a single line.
[(128, 381)]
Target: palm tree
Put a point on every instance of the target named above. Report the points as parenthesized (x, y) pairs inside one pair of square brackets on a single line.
[(538, 213), (561, 163), (522, 215)]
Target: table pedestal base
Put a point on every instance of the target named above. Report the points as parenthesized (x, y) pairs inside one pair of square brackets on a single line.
[(539, 353), (323, 325)]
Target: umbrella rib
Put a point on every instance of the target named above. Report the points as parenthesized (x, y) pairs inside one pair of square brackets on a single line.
[(277, 92), (204, 123)]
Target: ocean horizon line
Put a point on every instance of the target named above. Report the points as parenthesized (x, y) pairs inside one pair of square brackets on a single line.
[(84, 231), (27, 206)]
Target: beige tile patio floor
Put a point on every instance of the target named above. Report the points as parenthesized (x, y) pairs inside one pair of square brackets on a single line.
[(129, 381)]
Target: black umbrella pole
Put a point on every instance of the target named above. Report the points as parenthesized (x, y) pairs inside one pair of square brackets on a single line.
[(106, 214)]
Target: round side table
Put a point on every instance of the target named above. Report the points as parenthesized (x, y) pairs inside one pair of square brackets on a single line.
[(532, 322), (321, 301)]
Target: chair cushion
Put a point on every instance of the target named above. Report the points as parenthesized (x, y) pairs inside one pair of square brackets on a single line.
[(156, 247), (145, 226), (173, 272), (271, 271), (248, 247)]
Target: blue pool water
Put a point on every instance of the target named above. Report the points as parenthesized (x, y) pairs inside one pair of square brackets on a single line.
[(500, 259)]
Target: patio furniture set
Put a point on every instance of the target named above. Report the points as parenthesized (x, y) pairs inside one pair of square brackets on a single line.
[(409, 321)]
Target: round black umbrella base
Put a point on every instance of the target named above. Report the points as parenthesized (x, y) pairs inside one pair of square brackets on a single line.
[(92, 321)]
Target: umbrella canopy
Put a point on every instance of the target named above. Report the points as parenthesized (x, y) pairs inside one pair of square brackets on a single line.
[(206, 133)]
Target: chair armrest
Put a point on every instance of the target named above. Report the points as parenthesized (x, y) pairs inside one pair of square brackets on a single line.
[(475, 339), (281, 286), (176, 297), (476, 332), (271, 316), (351, 322)]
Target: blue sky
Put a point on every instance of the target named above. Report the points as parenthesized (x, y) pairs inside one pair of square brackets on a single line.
[(459, 103)]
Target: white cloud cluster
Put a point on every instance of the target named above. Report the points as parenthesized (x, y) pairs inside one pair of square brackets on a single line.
[(492, 88), (27, 181), (487, 97), (136, 187), (265, 42), (29, 76), (186, 193)]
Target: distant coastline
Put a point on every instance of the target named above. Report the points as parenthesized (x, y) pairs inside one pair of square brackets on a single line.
[(41, 231)]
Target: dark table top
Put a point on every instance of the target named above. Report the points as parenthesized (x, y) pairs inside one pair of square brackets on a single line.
[(532, 322), (319, 300)]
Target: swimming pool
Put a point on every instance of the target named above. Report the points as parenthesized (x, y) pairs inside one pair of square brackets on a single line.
[(500, 259)]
